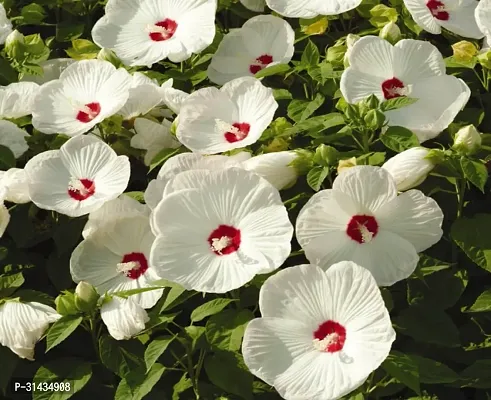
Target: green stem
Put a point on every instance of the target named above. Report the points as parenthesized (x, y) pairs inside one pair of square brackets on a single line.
[(93, 334), (460, 186)]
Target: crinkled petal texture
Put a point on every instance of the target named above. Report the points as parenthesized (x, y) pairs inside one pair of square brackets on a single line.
[(52, 70), (213, 121), (409, 168), (87, 92), (115, 258), (455, 16), (77, 179), (4, 218), (262, 41), (153, 137), (311, 8), (218, 229), (15, 182), (144, 95), (254, 5), (282, 348), (5, 25), (148, 31), (419, 66), (361, 219), (483, 18), (23, 324), (274, 167), (13, 137), (17, 99), (172, 98), (122, 207), (123, 317)]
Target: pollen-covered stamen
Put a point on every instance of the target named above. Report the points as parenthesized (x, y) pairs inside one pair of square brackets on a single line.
[(162, 30), (438, 10), (133, 265), (233, 132), (88, 112), (362, 228), (329, 337), (217, 245), (224, 240), (80, 189), (393, 88), (260, 63)]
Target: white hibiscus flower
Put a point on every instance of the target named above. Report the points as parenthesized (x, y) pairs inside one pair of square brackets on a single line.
[(254, 5), (411, 68), (311, 8), (262, 41), (123, 317), (115, 258), (361, 219), (217, 229), (5, 25), (321, 333), (216, 120), (153, 137), (483, 19), (17, 99), (148, 31), (172, 98), (457, 16), (77, 179), (13, 137), (4, 212), (14, 181), (87, 92), (23, 324)]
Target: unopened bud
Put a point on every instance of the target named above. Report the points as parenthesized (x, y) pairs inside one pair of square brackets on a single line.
[(346, 164), (86, 297), (464, 51), (391, 33), (467, 140), (350, 41)]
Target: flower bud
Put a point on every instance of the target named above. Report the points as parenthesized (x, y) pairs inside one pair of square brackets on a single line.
[(467, 140), (86, 297), (409, 168), (464, 51), (391, 33), (484, 58), (345, 164), (14, 45), (350, 41), (374, 119), (65, 304)]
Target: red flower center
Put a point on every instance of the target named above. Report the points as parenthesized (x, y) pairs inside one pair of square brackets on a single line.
[(437, 9), (330, 337), (393, 88), (240, 132), (362, 228), (260, 63), (133, 265), (224, 240), (89, 112), (81, 189), (162, 30)]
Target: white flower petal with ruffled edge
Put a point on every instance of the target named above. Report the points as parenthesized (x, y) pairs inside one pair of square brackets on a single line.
[(23, 324), (122, 207), (254, 5), (13, 137), (311, 8), (274, 167), (4, 218), (147, 32), (116, 258), (15, 182), (232, 225), (87, 92), (325, 331), (262, 41), (5, 25), (483, 18), (153, 137), (144, 95), (123, 317), (18, 99), (213, 121)]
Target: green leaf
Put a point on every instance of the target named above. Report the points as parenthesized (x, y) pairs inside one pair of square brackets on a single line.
[(127, 293), (67, 31), (478, 375), (180, 387), (83, 49), (278, 69), (7, 158), (172, 297), (74, 371), (310, 56), (9, 363), (475, 172), (7, 73), (482, 303), (162, 157), (300, 110), (136, 384), (61, 329), (210, 308), (431, 371), (428, 325), (228, 371), (155, 349), (472, 236), (32, 14), (225, 330), (403, 368), (399, 139), (10, 283), (281, 94), (316, 177), (112, 356), (396, 103)]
